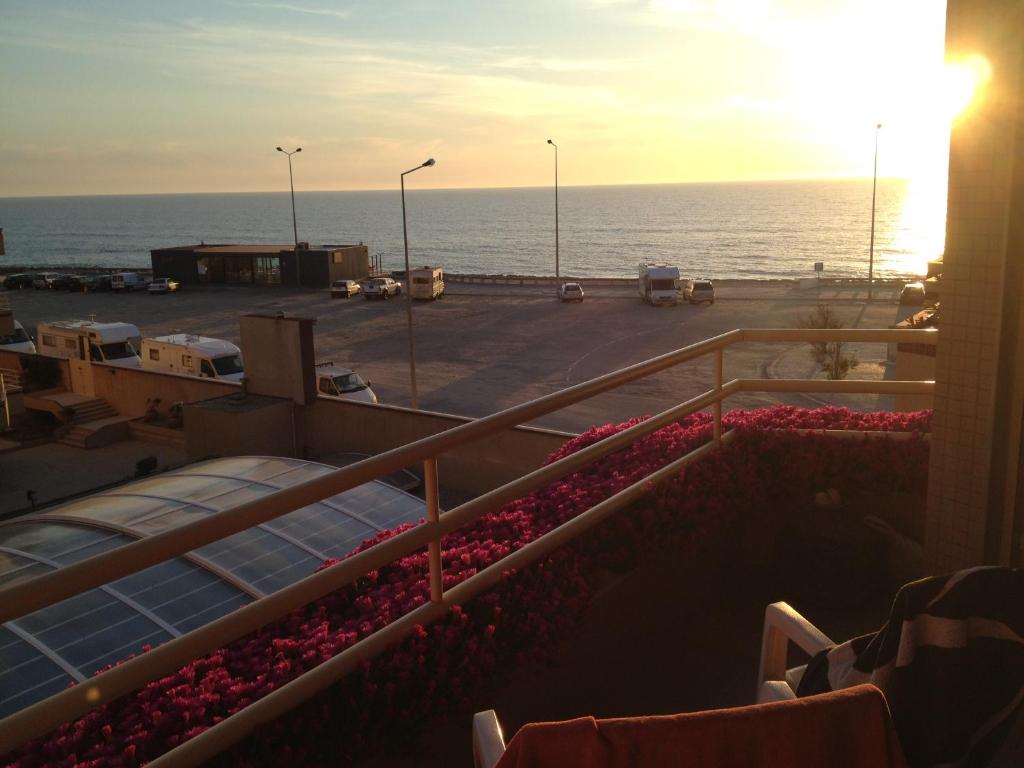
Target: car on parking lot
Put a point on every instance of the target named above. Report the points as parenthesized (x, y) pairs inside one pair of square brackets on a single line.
[(912, 294), (64, 282), (697, 291), (19, 280), (338, 383), (570, 292), (381, 288), (84, 283), (342, 289), (44, 280), (163, 285)]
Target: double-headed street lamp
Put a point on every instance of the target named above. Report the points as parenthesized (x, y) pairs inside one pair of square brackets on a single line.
[(295, 226), (408, 285), (556, 205), (874, 188)]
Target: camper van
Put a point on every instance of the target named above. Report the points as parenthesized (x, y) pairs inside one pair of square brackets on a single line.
[(339, 383), (659, 284), (18, 341), (114, 343), (127, 281), (192, 355), (427, 283)]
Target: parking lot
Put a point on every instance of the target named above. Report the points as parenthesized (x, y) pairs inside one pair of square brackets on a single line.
[(483, 348)]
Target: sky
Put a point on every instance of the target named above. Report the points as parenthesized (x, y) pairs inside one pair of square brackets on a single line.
[(111, 97)]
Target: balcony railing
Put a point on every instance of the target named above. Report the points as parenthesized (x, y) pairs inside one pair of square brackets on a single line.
[(22, 599)]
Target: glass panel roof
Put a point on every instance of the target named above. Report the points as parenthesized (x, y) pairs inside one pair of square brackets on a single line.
[(41, 652)]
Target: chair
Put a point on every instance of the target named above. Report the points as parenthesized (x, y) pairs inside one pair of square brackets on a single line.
[(782, 625)]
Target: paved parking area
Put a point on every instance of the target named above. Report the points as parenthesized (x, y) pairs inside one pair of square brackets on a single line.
[(484, 348)]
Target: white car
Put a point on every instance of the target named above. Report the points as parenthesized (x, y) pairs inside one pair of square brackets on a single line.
[(697, 291), (163, 285), (19, 341), (570, 292), (381, 288), (339, 383), (344, 288)]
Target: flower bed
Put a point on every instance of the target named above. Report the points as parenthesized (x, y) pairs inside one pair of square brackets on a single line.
[(450, 664)]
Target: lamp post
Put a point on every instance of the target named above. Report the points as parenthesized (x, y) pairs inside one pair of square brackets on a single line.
[(556, 206), (874, 189), (295, 226), (408, 285)]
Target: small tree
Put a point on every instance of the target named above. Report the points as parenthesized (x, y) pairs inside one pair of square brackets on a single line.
[(831, 356)]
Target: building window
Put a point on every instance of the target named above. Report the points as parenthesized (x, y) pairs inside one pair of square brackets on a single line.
[(49, 341), (70, 344), (154, 354), (267, 270)]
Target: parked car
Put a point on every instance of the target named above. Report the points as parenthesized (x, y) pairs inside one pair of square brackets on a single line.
[(82, 283), (163, 285), (18, 281), (342, 289), (64, 282), (697, 291), (44, 280), (127, 281), (339, 383), (570, 292), (381, 288), (912, 294)]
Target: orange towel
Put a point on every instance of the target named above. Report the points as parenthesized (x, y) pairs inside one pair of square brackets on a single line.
[(843, 729)]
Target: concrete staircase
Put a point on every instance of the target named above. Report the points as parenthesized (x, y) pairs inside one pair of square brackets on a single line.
[(95, 423)]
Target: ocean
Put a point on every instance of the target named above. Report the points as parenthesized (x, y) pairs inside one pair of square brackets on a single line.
[(756, 230)]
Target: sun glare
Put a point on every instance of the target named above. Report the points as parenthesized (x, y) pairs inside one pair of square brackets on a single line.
[(961, 82)]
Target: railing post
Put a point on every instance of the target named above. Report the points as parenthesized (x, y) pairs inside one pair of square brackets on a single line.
[(433, 515), (717, 410)]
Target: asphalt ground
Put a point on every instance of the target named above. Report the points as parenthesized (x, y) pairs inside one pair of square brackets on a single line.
[(483, 348)]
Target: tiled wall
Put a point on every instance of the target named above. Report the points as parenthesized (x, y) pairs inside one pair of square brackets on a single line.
[(986, 162)]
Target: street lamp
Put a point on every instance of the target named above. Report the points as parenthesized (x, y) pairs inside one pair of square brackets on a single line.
[(556, 205), (874, 189), (408, 284), (295, 227)]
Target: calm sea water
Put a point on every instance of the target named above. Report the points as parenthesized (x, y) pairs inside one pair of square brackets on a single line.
[(736, 230)]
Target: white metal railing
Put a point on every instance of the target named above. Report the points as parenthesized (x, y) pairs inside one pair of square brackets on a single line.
[(21, 599)]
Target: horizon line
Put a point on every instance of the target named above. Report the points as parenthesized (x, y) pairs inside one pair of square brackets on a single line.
[(459, 189)]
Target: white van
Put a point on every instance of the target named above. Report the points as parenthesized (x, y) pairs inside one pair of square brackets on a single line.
[(18, 341), (427, 283), (114, 343), (339, 383), (127, 281), (192, 355), (658, 284)]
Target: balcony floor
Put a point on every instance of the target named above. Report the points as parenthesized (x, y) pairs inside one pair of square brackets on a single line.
[(675, 635)]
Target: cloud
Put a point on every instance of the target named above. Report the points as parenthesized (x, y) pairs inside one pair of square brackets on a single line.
[(337, 13)]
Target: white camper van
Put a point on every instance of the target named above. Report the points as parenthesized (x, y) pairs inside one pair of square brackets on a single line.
[(114, 343), (339, 383), (127, 281), (427, 283), (18, 341), (192, 355), (659, 284)]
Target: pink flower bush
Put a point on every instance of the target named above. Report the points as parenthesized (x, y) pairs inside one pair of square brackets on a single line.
[(451, 664)]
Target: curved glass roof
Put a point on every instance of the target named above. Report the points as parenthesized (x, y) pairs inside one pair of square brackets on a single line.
[(42, 652)]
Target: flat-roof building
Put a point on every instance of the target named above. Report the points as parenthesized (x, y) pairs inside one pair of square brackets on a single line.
[(234, 263)]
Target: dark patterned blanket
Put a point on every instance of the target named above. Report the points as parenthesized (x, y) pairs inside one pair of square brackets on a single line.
[(950, 662)]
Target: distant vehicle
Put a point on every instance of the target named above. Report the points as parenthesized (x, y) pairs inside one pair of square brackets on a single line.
[(192, 355), (18, 281), (82, 283), (114, 343), (570, 292), (427, 283), (339, 383), (19, 341), (44, 280), (127, 281), (381, 288), (64, 282), (912, 294), (163, 285), (342, 289), (658, 284), (697, 291)]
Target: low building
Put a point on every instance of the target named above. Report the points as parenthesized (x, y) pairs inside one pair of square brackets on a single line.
[(232, 263)]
